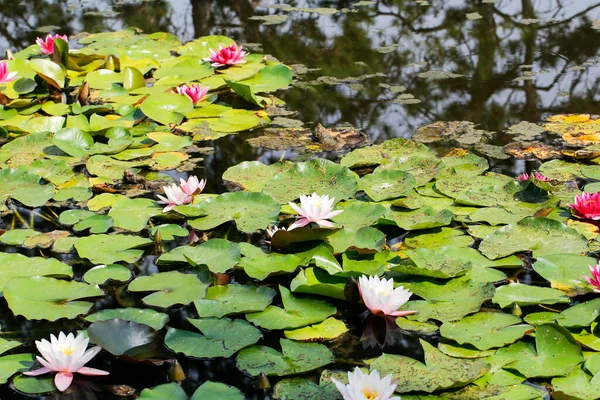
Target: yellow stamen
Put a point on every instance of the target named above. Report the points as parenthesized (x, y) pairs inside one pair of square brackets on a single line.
[(370, 394), (67, 351)]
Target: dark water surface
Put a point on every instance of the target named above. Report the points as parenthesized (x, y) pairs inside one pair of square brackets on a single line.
[(516, 60)]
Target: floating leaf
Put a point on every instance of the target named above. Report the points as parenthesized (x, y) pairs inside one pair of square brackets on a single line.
[(167, 108), (171, 288), (329, 329), (234, 299), (13, 265), (48, 298), (295, 313), (153, 319), (171, 391), (385, 153), (294, 358), (221, 337), (109, 249), (121, 337), (11, 364), (24, 187), (526, 295), (387, 184), (102, 273), (216, 391), (565, 272), (218, 255)]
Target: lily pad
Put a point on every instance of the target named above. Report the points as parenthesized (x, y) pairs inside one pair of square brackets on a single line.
[(153, 319), (387, 184), (11, 364), (385, 153), (48, 298), (109, 249), (219, 255), (294, 358), (24, 187), (13, 265), (565, 272), (221, 337), (329, 329), (167, 108), (170, 288), (216, 391), (295, 313), (234, 299), (102, 273), (526, 295), (121, 337)]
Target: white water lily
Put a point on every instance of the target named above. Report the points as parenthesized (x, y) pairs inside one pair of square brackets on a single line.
[(314, 208), (65, 355), (381, 298), (363, 386)]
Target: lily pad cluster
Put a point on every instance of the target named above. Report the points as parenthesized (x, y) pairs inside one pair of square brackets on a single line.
[(497, 266)]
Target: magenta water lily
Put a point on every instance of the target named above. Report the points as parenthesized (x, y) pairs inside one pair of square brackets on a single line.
[(595, 279), (5, 75), (587, 206), (65, 355), (196, 93), (47, 44), (227, 56)]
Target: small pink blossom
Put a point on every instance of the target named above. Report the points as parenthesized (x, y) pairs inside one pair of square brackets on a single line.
[(227, 56), (195, 93), (6, 76), (381, 298), (316, 209), (175, 197), (47, 45), (192, 186), (595, 280), (587, 206), (534, 175), (66, 356)]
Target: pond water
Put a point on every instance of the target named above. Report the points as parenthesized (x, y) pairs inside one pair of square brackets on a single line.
[(384, 69)]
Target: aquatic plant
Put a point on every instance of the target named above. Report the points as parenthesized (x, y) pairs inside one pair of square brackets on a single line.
[(65, 355), (196, 93), (587, 206), (227, 56), (175, 196), (595, 279), (5, 75), (47, 44), (380, 296), (366, 386), (314, 208)]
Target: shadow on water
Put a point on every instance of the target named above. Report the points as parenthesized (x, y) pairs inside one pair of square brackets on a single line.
[(386, 68)]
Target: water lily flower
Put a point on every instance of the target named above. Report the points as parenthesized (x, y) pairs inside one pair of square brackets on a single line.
[(195, 93), (534, 175), (227, 56), (595, 279), (271, 232), (192, 186), (47, 45), (65, 356), (363, 386), (381, 298), (175, 197), (6, 76), (316, 209), (587, 206)]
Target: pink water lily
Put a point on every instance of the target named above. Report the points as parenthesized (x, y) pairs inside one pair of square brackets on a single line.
[(314, 208), (175, 197), (5, 75), (363, 386), (66, 356), (192, 186), (227, 56), (47, 45), (595, 279), (534, 175), (381, 298), (195, 93), (587, 206)]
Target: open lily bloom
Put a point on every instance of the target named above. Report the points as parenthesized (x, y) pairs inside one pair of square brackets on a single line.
[(363, 386), (5, 75), (595, 279), (195, 93), (534, 175), (226, 56), (47, 44), (175, 197), (66, 356), (192, 186), (314, 208), (381, 298), (587, 206)]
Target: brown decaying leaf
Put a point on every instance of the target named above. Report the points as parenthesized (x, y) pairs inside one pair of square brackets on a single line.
[(576, 129), (528, 150)]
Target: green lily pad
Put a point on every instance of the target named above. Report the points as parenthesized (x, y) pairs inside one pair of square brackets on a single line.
[(250, 211), (33, 385), (153, 319), (486, 330), (304, 389), (358, 214), (13, 265), (527, 295), (24, 187), (363, 238), (11, 364), (170, 288), (565, 272), (219, 255), (48, 298), (316, 176), (253, 175), (438, 372), (169, 231), (578, 384), (133, 214), (555, 353), (578, 316), (73, 141), (234, 299), (385, 153), (102, 273), (294, 358), (171, 391), (95, 223), (387, 184), (437, 238), (329, 329), (423, 218), (295, 313), (167, 108), (317, 281), (49, 71), (432, 263), (121, 337), (216, 391), (221, 337), (543, 236), (109, 249)]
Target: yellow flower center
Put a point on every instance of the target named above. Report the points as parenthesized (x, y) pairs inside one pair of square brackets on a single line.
[(370, 394), (67, 351)]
